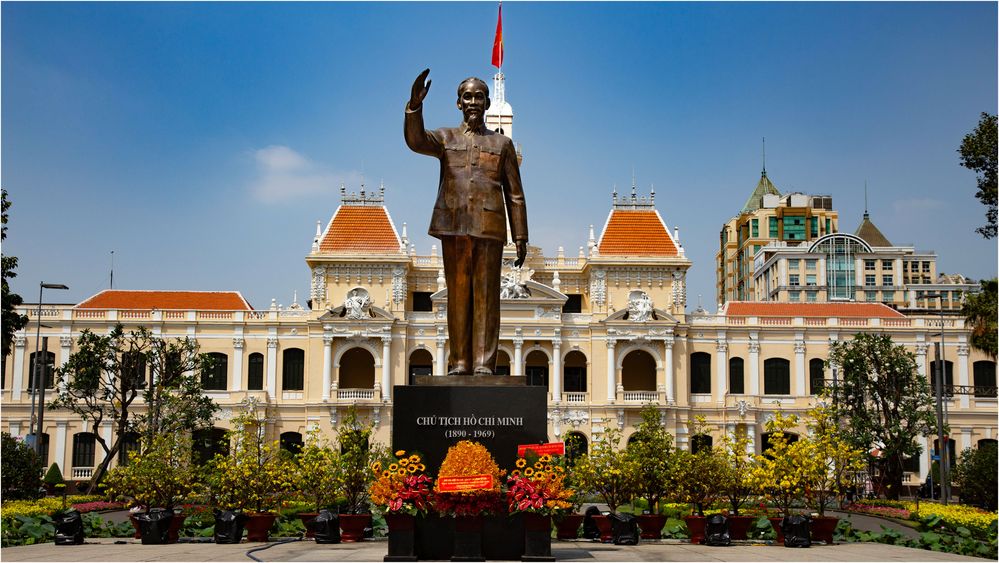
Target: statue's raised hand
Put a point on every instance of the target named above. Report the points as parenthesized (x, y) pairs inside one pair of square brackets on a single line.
[(419, 90)]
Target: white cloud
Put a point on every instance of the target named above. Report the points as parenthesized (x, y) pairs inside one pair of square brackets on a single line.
[(285, 175)]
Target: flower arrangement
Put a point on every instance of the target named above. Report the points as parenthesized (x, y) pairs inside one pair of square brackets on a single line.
[(256, 475), (539, 487), (954, 516), (160, 477), (400, 485), (467, 458)]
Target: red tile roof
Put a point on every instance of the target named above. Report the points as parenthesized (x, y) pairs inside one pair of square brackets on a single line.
[(638, 232), (767, 309), (360, 228), (186, 300)]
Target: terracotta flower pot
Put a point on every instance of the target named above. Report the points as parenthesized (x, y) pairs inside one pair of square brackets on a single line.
[(695, 525), (352, 527), (605, 526), (776, 523), (401, 537), (823, 528), (173, 534), (568, 527), (651, 525), (307, 517), (738, 526), (258, 525), (135, 524)]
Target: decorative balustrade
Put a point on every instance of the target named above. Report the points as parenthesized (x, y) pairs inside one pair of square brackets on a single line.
[(775, 321), (174, 314), (574, 397), (215, 315), (355, 394), (131, 315), (641, 396), (82, 472), (89, 314)]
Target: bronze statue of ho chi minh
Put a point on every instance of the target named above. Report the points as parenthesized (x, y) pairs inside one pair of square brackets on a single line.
[(479, 179)]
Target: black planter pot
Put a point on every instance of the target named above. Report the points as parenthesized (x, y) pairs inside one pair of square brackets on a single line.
[(155, 526), (69, 529), (467, 539), (401, 537), (537, 538), (229, 526)]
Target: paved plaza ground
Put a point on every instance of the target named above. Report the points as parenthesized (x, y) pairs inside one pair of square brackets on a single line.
[(132, 550)]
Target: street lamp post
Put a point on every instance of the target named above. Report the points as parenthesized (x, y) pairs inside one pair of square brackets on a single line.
[(944, 450), (38, 373)]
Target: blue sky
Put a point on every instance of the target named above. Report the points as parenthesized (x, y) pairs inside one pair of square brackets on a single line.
[(202, 142)]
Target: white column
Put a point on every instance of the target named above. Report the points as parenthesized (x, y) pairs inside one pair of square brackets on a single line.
[(611, 371), (106, 434), (921, 348), (327, 365), (754, 367), (799, 367), (962, 374), (721, 358), (966, 442), (670, 378), (556, 376), (751, 434), (441, 359), (60, 445), (924, 457), (272, 350), (237, 364), (17, 377), (15, 429), (65, 349), (387, 368), (518, 357)]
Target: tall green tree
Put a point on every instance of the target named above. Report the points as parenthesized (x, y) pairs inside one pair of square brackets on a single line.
[(102, 379), (976, 473), (981, 312), (883, 401), (978, 153), (651, 448), (12, 321)]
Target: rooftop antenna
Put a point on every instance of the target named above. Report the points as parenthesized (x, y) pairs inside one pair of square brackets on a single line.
[(112, 269), (764, 156), (866, 215)]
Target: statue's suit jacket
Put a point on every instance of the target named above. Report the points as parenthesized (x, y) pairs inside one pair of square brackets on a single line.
[(479, 177)]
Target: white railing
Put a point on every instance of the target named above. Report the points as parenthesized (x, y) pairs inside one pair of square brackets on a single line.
[(355, 394), (291, 395), (82, 472), (215, 315), (574, 397), (641, 396)]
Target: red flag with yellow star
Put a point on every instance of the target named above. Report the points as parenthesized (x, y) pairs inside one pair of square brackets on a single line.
[(498, 42)]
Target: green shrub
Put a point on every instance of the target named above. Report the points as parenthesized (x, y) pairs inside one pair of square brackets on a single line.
[(20, 469), (54, 476), (977, 473)]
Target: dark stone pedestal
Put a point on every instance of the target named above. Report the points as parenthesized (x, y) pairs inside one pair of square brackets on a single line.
[(430, 419), (502, 538)]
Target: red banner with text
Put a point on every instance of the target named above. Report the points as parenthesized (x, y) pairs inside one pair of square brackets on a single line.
[(461, 483), (552, 448)]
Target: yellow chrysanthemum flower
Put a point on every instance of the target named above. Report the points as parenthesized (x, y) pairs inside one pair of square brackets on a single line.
[(423, 467), (546, 458), (414, 458), (412, 468), (521, 462), (539, 465), (528, 472), (400, 453), (394, 467), (402, 471), (403, 462), (386, 473)]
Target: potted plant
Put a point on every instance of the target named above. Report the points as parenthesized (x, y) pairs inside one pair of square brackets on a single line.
[(52, 478), (537, 488), (401, 490), (159, 477), (356, 454), (318, 475), (696, 479), (610, 472), (779, 474), (468, 487), (737, 487), (829, 463), (254, 477), (651, 449)]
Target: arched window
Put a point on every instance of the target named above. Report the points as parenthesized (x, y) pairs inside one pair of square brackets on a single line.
[(574, 372), (765, 440), (816, 375), (134, 368), (215, 377), (502, 363), (736, 378), (357, 369), (985, 378), (205, 444), (129, 443), (776, 376), (292, 442), (700, 372), (988, 443), (255, 372), (948, 377), (48, 370), (84, 447), (293, 370), (700, 442), (575, 445), (536, 368), (638, 371), (43, 439), (420, 363)]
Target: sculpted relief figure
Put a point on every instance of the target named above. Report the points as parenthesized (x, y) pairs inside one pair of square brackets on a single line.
[(480, 188)]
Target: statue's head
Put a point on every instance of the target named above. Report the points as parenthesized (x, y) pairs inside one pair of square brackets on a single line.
[(473, 99)]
